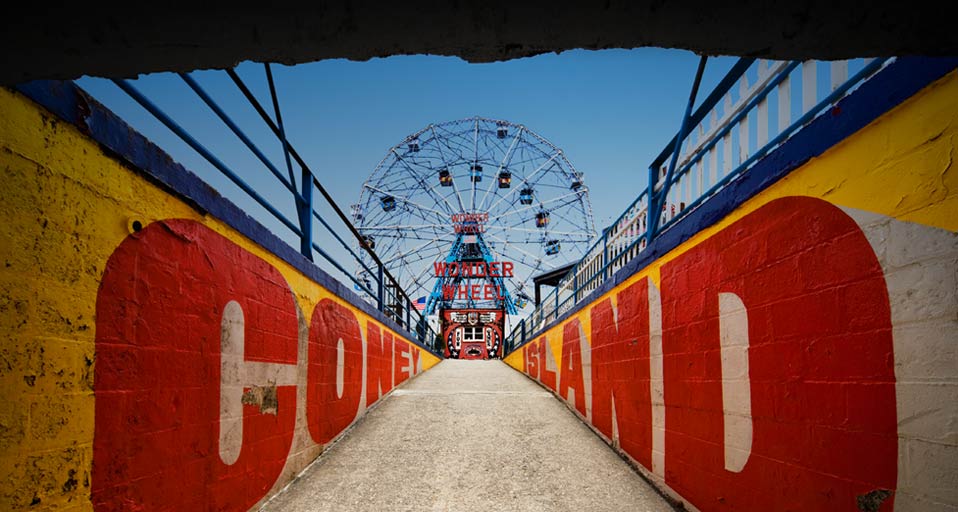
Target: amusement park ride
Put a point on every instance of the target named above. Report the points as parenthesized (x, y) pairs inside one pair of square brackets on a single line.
[(465, 213)]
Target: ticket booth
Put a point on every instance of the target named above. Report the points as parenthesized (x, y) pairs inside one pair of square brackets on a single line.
[(473, 333)]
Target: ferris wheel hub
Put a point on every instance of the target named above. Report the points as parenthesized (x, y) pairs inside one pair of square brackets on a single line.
[(474, 191)]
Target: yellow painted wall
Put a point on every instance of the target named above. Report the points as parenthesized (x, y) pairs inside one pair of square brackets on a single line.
[(903, 165), (898, 178), (66, 206)]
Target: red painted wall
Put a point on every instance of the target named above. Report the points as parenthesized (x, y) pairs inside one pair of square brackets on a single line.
[(159, 376), (620, 370), (820, 365), (328, 413)]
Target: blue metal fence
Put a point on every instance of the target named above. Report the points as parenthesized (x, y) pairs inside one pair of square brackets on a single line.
[(385, 291), (748, 114)]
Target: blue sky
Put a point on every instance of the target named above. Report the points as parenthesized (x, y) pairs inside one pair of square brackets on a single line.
[(611, 112)]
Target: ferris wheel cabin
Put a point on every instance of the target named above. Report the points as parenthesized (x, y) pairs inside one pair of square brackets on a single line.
[(483, 197), (445, 178), (505, 179), (525, 196)]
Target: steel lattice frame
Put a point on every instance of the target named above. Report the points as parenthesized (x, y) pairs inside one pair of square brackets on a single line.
[(417, 230)]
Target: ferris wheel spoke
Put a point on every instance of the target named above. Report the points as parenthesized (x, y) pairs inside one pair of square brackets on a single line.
[(418, 286), (525, 180), (422, 208), (521, 259), (422, 184), (514, 211), (415, 231), (533, 268), (388, 238), (458, 149), (431, 254), (527, 253), (402, 226), (491, 146), (521, 221), (446, 166), (506, 160), (563, 217), (520, 159), (385, 248), (422, 273), (475, 139), (584, 236), (410, 231), (413, 250), (538, 243)]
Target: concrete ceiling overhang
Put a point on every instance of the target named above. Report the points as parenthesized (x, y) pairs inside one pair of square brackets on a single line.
[(69, 41)]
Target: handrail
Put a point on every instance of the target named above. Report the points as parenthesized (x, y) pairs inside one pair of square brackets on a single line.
[(699, 173), (388, 288)]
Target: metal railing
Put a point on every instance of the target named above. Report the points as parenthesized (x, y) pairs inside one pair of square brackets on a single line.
[(756, 107), (385, 291)]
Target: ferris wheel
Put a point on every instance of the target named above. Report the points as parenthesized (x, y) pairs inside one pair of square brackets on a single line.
[(536, 204)]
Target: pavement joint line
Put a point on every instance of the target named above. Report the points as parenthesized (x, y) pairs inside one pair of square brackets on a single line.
[(540, 394)]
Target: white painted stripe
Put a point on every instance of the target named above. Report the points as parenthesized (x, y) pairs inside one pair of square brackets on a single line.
[(340, 367), (743, 123), (743, 139), (550, 362), (736, 392), (784, 104), (726, 146), (585, 352), (726, 158), (406, 355), (839, 73), (762, 131), (713, 153), (701, 175), (918, 262), (232, 341), (713, 167), (236, 374), (746, 94), (809, 85), (656, 381)]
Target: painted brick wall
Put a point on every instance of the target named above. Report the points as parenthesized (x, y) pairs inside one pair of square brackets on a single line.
[(151, 356), (802, 352)]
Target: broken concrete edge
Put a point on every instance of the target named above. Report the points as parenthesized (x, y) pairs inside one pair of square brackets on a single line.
[(879, 94), (69, 102), (321, 458), (90, 39)]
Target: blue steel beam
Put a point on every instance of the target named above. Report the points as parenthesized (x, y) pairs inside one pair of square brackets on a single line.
[(304, 201), (319, 186), (236, 130), (453, 256), (205, 153), (656, 201)]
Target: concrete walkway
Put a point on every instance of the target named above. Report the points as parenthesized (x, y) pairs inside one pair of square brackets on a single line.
[(470, 436)]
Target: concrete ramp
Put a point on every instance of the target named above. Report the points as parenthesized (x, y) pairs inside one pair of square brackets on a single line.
[(469, 435)]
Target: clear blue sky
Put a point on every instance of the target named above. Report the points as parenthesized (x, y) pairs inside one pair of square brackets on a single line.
[(610, 111)]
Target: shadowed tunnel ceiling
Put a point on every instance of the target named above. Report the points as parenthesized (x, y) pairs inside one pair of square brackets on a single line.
[(67, 42)]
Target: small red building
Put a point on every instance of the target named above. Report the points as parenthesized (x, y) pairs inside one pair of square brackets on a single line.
[(473, 333)]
